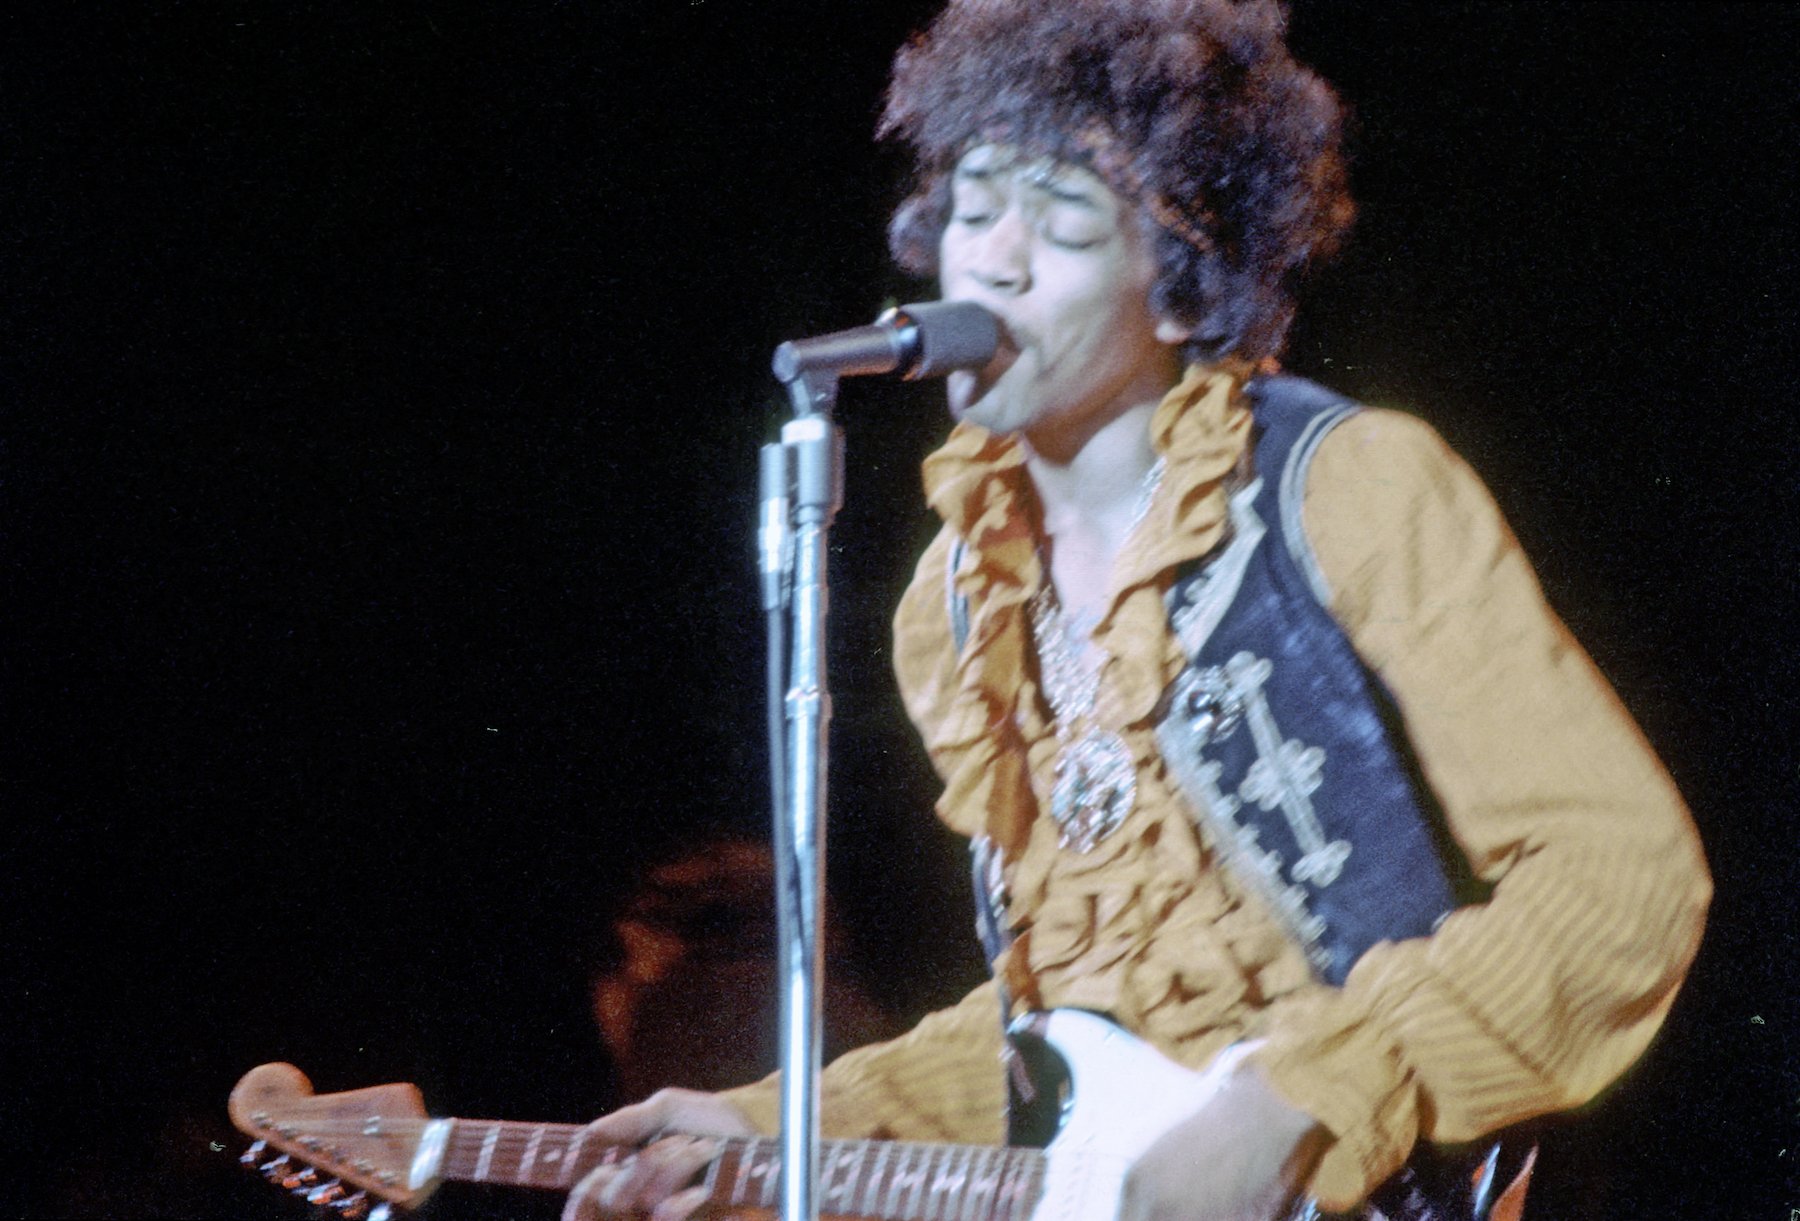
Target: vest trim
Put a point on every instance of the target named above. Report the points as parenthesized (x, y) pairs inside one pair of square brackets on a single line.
[(1293, 498)]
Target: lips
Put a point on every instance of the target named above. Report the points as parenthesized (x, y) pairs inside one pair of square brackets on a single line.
[(1006, 351), (967, 387)]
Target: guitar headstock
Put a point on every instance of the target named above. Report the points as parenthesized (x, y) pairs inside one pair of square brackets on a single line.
[(337, 1149)]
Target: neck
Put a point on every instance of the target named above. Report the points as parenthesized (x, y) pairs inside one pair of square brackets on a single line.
[(1096, 490)]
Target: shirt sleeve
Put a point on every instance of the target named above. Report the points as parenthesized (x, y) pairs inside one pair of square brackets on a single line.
[(941, 1081), (1540, 997)]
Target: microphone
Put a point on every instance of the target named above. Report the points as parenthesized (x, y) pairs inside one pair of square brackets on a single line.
[(929, 339)]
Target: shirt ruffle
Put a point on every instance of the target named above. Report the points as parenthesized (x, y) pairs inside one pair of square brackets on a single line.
[(1139, 926)]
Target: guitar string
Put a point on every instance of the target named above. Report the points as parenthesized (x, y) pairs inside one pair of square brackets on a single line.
[(522, 1133), (517, 1136), (1014, 1175)]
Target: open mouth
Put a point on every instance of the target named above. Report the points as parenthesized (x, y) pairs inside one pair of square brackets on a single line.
[(968, 387), (1005, 353)]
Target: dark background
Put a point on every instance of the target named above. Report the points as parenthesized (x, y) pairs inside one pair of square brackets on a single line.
[(383, 385)]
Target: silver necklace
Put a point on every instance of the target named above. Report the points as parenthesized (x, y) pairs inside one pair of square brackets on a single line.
[(1096, 780)]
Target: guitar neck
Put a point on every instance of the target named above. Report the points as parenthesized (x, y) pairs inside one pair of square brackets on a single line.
[(892, 1180)]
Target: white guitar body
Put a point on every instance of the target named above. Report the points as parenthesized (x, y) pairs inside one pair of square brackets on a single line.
[(1124, 1096)]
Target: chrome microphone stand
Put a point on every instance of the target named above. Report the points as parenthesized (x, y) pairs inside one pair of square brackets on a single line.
[(802, 478), (924, 340)]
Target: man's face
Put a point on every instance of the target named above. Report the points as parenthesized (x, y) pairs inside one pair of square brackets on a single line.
[(1058, 257)]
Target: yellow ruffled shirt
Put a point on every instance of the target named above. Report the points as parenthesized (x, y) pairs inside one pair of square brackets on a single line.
[(1529, 1003)]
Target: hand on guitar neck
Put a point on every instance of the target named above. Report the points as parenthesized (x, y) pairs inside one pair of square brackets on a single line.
[(673, 1127), (1238, 1159)]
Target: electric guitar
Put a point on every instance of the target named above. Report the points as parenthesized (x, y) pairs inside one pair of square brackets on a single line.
[(365, 1151)]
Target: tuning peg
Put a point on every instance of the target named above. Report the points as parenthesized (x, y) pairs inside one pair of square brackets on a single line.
[(301, 1182), (325, 1194), (251, 1154), (354, 1207), (382, 1212), (274, 1169)]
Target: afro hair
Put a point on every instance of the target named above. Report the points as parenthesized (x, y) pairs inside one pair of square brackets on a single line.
[(1231, 148)]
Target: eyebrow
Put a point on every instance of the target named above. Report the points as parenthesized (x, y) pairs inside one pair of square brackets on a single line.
[(1064, 192), (1055, 187), (986, 172)]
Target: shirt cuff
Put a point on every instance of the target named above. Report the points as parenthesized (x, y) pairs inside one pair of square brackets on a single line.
[(760, 1101), (1337, 1067)]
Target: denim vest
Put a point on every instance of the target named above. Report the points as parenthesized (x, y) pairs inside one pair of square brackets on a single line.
[(1286, 746)]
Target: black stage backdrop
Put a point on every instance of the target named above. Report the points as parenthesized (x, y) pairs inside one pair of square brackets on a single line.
[(383, 391)]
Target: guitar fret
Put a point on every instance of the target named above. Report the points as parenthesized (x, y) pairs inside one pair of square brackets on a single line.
[(837, 1160), (898, 1180), (971, 1184), (771, 1174), (948, 1182), (827, 1165), (715, 1168), (1024, 1186), (872, 1181), (453, 1160), (1012, 1169), (462, 1152), (980, 1183), (930, 1200), (745, 1154), (934, 1183), (922, 1192), (571, 1162), (964, 1177), (758, 1161), (529, 1162), (1031, 1183), (1009, 1190), (868, 1179), (1005, 1193), (925, 1200), (905, 1177), (486, 1158)]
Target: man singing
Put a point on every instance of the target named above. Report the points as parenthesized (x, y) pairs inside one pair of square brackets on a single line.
[(1270, 748)]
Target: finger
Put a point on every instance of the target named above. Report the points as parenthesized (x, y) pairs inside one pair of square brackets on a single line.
[(619, 1190), (671, 1164), (681, 1205), (645, 1179), (632, 1125), (583, 1203)]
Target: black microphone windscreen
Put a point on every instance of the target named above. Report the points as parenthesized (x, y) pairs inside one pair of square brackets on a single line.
[(952, 335)]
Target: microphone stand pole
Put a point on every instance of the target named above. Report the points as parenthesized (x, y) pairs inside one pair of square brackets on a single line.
[(809, 460)]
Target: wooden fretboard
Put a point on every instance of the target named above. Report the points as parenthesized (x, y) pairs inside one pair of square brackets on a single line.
[(897, 1180)]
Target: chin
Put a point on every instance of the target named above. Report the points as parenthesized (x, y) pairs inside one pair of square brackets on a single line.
[(980, 396), (961, 391), (973, 403)]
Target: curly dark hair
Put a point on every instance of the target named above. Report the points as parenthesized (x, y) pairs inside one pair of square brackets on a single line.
[(1192, 108)]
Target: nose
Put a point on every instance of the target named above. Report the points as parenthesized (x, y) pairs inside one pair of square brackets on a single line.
[(1001, 257)]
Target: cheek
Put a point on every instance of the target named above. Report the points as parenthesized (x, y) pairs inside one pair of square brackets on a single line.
[(1108, 327), (951, 263), (1115, 291)]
